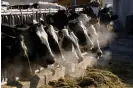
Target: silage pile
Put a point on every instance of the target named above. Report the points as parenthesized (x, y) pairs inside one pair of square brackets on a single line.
[(93, 78)]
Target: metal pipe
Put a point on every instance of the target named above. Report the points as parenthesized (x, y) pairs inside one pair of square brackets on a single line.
[(73, 4), (79, 6)]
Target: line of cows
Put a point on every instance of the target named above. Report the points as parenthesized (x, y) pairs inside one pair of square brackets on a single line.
[(43, 41)]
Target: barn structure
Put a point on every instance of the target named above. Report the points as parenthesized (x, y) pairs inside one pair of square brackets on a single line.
[(124, 8)]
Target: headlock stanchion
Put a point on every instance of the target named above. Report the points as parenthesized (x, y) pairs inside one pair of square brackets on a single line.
[(13, 17), (19, 13)]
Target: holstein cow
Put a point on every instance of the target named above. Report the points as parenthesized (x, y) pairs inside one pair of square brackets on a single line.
[(82, 26), (91, 30), (60, 22), (60, 19), (30, 41), (53, 40), (88, 22), (106, 16), (54, 43), (79, 31)]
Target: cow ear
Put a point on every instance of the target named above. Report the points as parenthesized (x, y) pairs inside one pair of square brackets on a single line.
[(114, 17)]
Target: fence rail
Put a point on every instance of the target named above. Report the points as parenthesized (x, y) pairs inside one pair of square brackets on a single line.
[(30, 11)]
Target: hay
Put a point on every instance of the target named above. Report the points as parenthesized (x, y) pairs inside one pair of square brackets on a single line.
[(94, 78), (64, 83), (123, 70), (103, 79)]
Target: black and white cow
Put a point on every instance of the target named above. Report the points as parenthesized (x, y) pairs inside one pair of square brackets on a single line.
[(26, 44), (84, 28), (60, 22), (106, 16)]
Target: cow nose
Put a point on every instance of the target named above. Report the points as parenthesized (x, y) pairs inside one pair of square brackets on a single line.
[(50, 61)]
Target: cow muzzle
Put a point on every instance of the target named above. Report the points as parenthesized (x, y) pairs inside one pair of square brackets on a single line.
[(50, 61), (45, 61)]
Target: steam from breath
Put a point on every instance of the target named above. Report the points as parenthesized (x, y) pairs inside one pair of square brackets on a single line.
[(104, 36), (77, 70)]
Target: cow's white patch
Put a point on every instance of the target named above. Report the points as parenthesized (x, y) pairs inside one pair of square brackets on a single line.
[(74, 51), (89, 41), (35, 22), (95, 10), (94, 34), (41, 19), (84, 18), (65, 32), (44, 38), (92, 28), (53, 33), (75, 39)]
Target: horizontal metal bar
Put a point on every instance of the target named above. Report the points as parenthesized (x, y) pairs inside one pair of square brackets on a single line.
[(16, 11), (78, 6)]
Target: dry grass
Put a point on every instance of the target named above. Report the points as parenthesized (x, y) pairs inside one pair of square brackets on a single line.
[(123, 70), (115, 75), (94, 78)]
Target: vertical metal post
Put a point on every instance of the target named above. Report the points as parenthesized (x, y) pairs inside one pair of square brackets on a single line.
[(73, 4)]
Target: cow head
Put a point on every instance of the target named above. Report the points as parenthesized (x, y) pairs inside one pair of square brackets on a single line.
[(42, 38), (106, 15), (95, 6), (36, 40), (60, 19)]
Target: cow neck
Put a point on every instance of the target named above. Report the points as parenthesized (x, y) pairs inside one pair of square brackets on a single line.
[(66, 33), (54, 35), (24, 47), (85, 32), (84, 18), (53, 32), (75, 39), (44, 38)]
